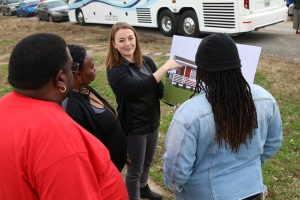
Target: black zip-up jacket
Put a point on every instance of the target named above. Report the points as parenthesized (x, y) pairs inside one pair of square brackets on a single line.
[(101, 123), (137, 96)]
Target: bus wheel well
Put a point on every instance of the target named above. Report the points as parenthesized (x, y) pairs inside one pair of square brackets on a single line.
[(185, 10)]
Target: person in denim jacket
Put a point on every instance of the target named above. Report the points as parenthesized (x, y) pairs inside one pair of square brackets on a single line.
[(218, 140)]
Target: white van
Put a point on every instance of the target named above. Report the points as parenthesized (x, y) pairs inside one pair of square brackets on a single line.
[(188, 17)]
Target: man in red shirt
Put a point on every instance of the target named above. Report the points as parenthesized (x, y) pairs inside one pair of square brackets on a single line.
[(44, 154)]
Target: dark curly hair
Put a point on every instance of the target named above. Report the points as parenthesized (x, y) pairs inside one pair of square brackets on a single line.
[(78, 54), (35, 60)]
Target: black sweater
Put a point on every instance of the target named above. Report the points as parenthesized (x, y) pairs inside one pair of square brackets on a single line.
[(102, 123), (137, 98)]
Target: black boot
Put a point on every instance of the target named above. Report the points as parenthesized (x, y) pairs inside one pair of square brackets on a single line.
[(146, 193)]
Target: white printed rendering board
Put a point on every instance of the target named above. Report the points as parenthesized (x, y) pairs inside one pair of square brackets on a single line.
[(183, 50)]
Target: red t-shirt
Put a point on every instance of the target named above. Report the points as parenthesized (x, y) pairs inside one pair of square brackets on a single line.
[(44, 154)]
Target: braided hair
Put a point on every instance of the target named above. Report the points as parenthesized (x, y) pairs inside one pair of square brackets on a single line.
[(232, 105)]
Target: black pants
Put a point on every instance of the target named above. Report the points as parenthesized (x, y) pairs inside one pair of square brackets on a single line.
[(141, 149)]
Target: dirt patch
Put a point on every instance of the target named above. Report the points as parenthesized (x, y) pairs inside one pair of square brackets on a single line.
[(283, 75), (13, 29), (93, 37)]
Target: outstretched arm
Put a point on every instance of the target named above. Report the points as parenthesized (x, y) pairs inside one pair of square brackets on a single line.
[(120, 79), (161, 72)]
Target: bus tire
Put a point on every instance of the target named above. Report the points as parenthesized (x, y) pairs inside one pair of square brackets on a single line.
[(167, 23), (188, 23), (80, 17)]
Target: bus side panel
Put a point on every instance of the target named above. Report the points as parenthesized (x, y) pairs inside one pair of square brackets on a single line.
[(230, 16), (218, 16), (72, 16), (225, 16), (110, 12), (261, 13)]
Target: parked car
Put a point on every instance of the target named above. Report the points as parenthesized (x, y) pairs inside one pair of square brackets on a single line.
[(291, 9), (52, 10), (290, 5), (288, 2), (8, 7), (27, 8)]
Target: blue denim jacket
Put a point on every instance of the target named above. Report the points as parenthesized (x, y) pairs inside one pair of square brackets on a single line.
[(196, 168)]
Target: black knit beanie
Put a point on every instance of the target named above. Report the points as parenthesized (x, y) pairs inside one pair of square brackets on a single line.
[(217, 52)]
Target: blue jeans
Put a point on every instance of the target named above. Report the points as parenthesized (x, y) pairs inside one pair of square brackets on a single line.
[(141, 149)]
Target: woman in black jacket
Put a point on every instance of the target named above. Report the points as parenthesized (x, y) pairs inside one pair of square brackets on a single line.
[(136, 82), (92, 111)]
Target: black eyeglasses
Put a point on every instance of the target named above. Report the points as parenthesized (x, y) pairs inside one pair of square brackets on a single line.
[(75, 67)]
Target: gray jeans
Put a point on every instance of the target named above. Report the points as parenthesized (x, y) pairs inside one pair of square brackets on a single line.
[(141, 149), (296, 19)]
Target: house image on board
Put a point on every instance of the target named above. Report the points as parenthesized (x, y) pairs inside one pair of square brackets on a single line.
[(185, 76)]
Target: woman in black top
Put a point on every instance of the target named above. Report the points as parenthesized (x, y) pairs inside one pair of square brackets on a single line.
[(136, 82), (92, 111)]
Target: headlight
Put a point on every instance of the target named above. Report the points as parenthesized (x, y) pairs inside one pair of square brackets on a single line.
[(55, 13)]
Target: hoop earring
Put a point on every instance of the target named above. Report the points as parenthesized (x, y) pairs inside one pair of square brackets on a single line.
[(63, 89)]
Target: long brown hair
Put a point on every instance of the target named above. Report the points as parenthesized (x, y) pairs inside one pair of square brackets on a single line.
[(113, 57), (231, 100)]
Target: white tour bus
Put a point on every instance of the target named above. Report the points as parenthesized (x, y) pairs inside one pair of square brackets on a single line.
[(187, 17)]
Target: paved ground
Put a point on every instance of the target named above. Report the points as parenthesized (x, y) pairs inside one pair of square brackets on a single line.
[(278, 40)]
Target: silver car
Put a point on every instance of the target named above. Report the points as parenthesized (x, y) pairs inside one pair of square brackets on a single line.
[(53, 11), (9, 7)]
